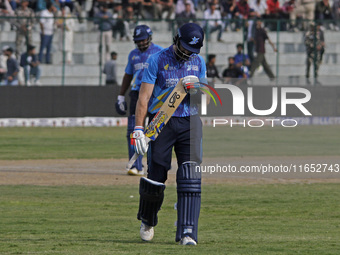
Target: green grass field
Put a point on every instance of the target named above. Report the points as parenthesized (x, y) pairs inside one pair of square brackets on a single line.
[(55, 143), (235, 219)]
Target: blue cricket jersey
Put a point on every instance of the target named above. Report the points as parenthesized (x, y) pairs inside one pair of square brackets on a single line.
[(137, 63), (240, 57), (164, 71)]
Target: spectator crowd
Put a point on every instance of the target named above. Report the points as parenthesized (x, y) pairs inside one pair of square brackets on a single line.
[(116, 18)]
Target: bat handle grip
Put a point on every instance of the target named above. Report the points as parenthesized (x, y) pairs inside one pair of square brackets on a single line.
[(132, 160), (135, 156)]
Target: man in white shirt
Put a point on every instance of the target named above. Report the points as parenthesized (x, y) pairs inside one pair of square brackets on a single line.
[(3, 63), (213, 21), (47, 30), (261, 11), (260, 8)]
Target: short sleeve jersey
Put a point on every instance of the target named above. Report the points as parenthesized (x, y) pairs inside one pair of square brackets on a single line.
[(164, 71), (240, 57), (137, 63), (260, 39)]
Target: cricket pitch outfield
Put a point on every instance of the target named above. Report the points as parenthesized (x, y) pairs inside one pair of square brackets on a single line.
[(72, 197)]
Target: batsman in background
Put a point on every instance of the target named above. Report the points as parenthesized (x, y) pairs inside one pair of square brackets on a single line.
[(183, 132), (142, 36)]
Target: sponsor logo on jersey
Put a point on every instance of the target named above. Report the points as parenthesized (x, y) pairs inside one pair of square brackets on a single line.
[(140, 66), (171, 82), (192, 67), (168, 67)]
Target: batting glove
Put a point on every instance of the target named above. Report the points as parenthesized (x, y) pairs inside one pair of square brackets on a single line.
[(190, 83), (138, 141), (121, 106)]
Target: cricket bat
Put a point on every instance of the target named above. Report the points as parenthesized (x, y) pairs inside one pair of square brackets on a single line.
[(162, 116)]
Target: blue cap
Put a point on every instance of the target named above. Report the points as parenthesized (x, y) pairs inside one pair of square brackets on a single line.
[(191, 37), (141, 32)]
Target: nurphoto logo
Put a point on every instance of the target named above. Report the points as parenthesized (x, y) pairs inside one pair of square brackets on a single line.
[(295, 96)]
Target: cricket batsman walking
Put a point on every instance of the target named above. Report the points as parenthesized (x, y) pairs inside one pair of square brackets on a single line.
[(142, 37), (183, 132)]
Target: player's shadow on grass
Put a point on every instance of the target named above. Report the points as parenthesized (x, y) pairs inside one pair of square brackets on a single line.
[(139, 241)]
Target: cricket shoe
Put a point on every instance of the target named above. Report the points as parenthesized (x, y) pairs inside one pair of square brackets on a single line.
[(146, 232), (134, 171), (187, 240)]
